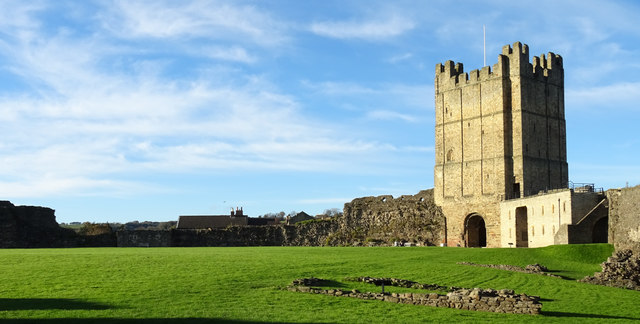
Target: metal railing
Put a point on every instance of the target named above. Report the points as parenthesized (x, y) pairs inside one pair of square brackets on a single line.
[(574, 186), (584, 187)]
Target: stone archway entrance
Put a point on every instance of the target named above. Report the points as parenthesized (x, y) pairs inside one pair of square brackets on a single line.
[(475, 231), (601, 230), (522, 226)]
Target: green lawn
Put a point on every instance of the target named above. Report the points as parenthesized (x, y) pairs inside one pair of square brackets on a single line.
[(186, 285)]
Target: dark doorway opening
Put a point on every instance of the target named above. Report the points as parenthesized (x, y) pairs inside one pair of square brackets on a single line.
[(476, 231), (601, 230), (522, 226)]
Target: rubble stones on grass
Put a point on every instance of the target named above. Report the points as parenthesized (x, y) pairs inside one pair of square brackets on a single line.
[(621, 270), (309, 282), (535, 268), (397, 283), (476, 299)]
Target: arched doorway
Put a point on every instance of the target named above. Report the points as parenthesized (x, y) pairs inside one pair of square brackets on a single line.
[(601, 230), (475, 231)]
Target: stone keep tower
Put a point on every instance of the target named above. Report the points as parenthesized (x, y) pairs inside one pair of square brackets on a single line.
[(500, 134)]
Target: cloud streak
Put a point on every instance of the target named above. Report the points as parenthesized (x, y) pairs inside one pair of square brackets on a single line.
[(200, 19), (615, 96), (370, 30)]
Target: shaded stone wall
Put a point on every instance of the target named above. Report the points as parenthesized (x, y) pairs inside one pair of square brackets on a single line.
[(306, 234), (126, 238), (384, 219), (231, 236), (624, 218), (31, 227)]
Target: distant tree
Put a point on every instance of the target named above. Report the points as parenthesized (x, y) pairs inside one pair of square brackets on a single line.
[(333, 212), (279, 215), (94, 229)]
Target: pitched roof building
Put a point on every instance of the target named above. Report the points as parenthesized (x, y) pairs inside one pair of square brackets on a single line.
[(236, 218)]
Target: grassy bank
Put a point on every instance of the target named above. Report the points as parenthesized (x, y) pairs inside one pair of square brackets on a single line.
[(186, 285)]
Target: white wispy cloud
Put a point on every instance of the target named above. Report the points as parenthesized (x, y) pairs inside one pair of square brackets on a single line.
[(383, 102), (371, 29), (399, 58), (391, 115), (614, 96), (196, 19), (234, 53)]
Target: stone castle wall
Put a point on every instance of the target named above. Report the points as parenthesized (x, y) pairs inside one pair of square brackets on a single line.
[(624, 218), (369, 220), (305, 234), (383, 219), (31, 226)]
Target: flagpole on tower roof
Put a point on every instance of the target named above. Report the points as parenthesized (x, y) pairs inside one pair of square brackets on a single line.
[(484, 46)]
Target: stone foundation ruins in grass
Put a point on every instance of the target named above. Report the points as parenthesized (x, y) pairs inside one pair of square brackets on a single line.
[(476, 299)]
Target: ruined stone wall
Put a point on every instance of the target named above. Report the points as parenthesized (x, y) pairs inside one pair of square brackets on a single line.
[(624, 218), (305, 234), (30, 227), (476, 299), (383, 219), (230, 236), (366, 221), (143, 238), (313, 233)]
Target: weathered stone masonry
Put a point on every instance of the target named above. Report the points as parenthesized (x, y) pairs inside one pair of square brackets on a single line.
[(624, 218), (384, 219), (31, 226), (476, 299)]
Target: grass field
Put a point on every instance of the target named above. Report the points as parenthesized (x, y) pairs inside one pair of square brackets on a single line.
[(187, 285)]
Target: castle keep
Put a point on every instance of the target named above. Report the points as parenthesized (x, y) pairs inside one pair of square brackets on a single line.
[(500, 135)]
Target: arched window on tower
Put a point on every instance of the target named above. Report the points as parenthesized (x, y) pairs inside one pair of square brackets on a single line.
[(450, 155)]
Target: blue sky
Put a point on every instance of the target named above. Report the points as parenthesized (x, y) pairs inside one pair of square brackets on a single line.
[(146, 110)]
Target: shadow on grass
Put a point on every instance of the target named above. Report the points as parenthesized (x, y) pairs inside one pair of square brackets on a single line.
[(126, 320), (555, 273), (330, 283), (13, 304), (578, 315)]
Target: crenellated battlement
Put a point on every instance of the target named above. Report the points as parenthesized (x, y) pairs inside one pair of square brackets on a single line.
[(514, 60), (451, 75)]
